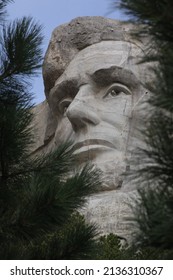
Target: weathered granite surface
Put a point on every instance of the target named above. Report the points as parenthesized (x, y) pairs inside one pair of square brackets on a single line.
[(94, 89)]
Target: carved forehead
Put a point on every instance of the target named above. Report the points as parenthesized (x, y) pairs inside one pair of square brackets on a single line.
[(104, 55), (68, 39)]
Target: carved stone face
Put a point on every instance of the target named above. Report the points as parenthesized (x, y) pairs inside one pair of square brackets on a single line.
[(93, 101)]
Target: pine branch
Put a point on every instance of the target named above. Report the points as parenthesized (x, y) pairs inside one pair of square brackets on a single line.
[(21, 52), (3, 4)]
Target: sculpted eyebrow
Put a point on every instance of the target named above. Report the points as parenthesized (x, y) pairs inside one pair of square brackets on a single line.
[(106, 76), (65, 88)]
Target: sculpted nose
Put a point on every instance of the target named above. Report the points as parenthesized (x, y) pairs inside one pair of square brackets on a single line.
[(82, 112)]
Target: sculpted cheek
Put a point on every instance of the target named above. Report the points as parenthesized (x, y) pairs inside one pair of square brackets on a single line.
[(64, 131), (116, 111)]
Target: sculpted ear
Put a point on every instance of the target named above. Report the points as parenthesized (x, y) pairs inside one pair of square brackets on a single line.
[(44, 126)]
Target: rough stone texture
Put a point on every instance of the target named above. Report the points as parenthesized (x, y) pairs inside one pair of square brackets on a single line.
[(94, 88), (110, 211), (44, 126)]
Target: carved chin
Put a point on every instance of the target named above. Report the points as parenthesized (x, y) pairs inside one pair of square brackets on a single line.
[(111, 183), (112, 174), (109, 161)]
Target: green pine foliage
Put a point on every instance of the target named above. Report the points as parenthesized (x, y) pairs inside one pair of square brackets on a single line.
[(74, 241), (111, 247), (38, 195), (3, 4), (154, 208)]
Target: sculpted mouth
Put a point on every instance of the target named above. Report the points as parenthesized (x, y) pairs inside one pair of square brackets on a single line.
[(93, 143)]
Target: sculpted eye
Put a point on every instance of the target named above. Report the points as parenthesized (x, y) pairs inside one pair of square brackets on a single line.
[(63, 105), (115, 90)]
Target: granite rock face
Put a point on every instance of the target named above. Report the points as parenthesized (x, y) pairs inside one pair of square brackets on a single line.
[(94, 90)]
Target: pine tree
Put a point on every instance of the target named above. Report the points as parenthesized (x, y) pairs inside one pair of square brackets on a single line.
[(38, 195), (154, 209)]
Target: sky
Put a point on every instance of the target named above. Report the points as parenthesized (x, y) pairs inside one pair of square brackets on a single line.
[(51, 13)]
